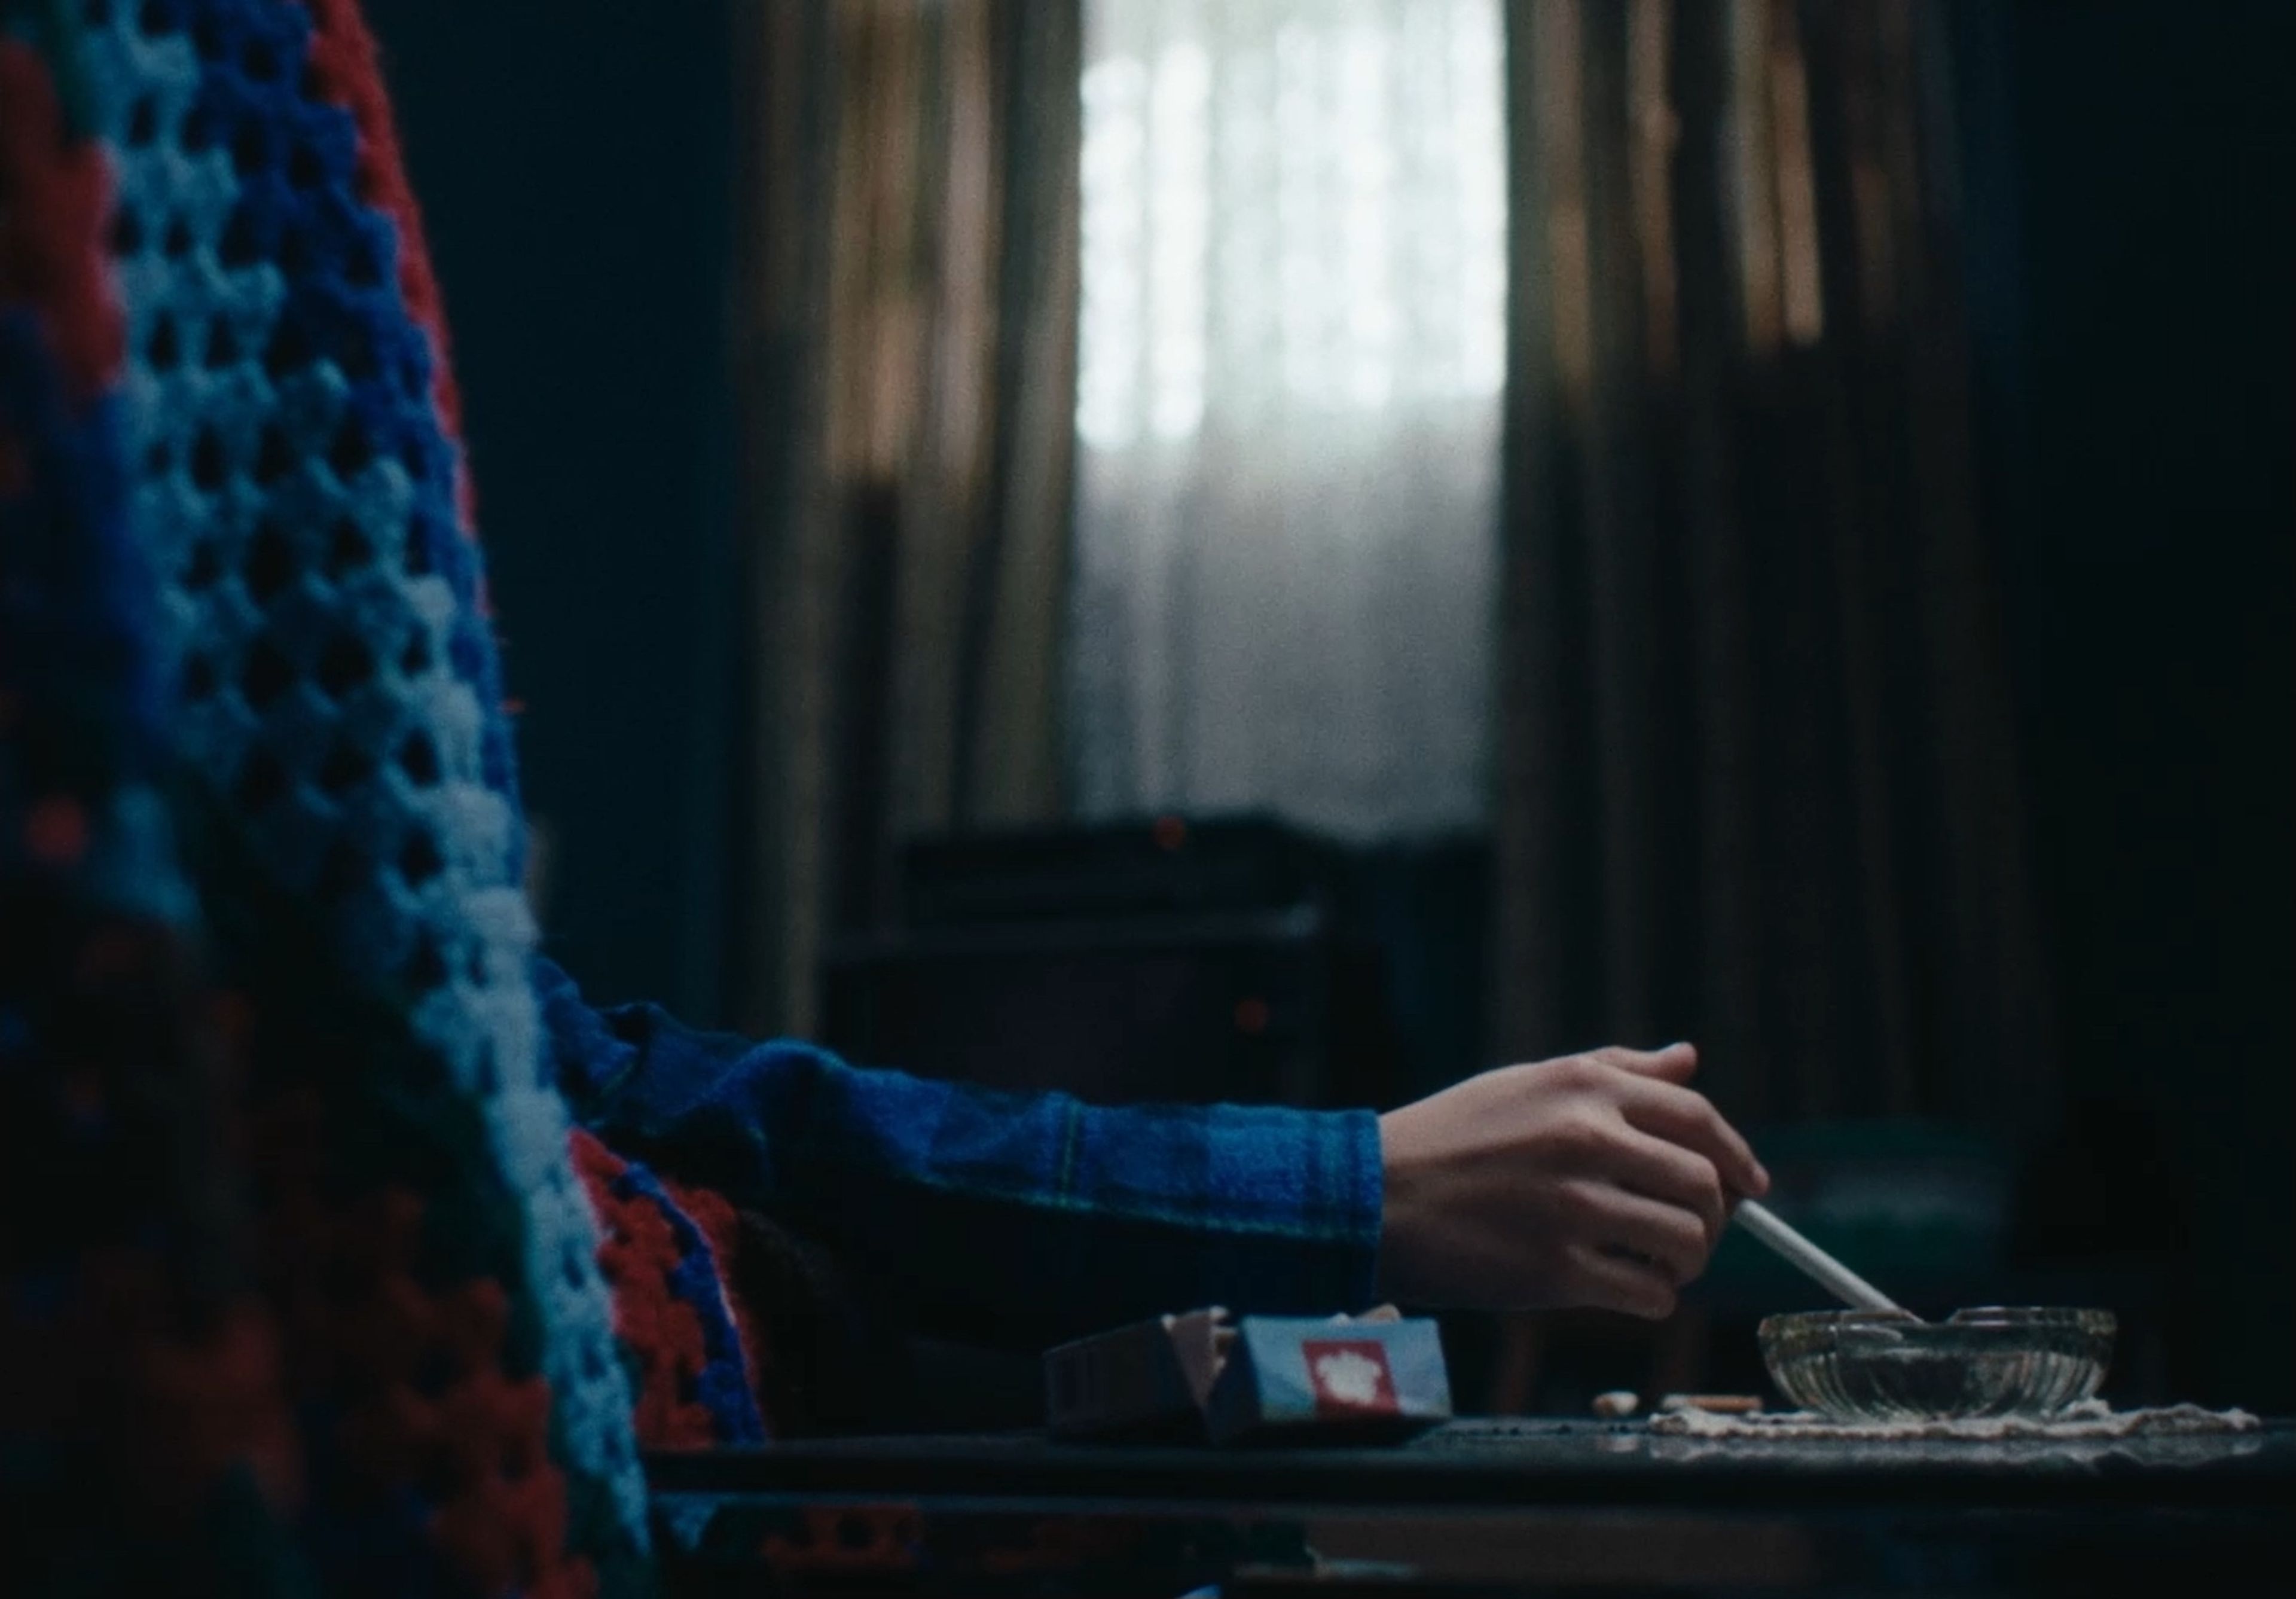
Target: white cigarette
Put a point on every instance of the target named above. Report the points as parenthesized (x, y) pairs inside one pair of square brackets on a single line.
[(1822, 1268)]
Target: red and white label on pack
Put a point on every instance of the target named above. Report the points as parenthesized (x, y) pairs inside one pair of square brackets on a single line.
[(1349, 1376)]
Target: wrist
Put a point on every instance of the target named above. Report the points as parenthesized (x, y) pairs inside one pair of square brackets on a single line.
[(1399, 1245)]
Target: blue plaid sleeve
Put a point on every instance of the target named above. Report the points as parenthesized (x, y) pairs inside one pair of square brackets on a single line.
[(1021, 1215)]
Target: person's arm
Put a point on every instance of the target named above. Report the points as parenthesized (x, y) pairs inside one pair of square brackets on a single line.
[(1030, 1215)]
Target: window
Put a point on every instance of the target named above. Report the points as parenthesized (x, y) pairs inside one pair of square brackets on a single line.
[(1291, 346)]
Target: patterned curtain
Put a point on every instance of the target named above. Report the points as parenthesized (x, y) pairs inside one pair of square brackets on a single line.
[(1757, 780), (908, 361)]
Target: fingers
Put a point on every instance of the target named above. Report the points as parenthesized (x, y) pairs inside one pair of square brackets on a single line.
[(1676, 1063), (1679, 1116), (1674, 1176), (1612, 1283), (1667, 1236)]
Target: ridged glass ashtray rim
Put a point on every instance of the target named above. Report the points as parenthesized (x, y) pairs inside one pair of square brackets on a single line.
[(1991, 1360)]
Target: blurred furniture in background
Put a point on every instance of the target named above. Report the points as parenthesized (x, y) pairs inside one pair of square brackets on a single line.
[(1230, 959), (1156, 963)]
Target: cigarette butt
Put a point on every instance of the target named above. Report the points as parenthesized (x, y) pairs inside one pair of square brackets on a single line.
[(1614, 1406), (1715, 1404)]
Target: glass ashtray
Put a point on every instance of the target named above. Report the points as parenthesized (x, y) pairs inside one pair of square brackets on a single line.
[(1886, 1366)]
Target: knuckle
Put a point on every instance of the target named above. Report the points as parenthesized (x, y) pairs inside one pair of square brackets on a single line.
[(1690, 1231), (1577, 1204), (1706, 1180), (1587, 1071), (1582, 1135)]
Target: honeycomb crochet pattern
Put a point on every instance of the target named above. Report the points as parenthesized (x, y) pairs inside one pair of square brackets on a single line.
[(295, 491), (246, 628)]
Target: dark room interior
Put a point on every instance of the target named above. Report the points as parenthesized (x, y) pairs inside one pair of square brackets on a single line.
[(2127, 256), (1288, 555)]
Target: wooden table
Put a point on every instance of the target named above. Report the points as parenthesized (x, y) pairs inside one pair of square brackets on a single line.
[(1490, 1506)]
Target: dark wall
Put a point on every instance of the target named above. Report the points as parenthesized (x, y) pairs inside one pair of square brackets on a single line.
[(574, 166), (2133, 276)]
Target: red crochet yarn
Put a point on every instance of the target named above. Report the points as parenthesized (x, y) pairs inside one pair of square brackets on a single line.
[(170, 1410), (130, 1337), (59, 203), (721, 1225), (430, 1402), (636, 1254), (201, 1406)]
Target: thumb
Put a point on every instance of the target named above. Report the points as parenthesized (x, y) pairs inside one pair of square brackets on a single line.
[(1676, 1063)]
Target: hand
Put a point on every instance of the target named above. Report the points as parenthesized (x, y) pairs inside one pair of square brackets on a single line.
[(1598, 1179)]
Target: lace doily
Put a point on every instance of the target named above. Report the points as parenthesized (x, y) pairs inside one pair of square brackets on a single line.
[(2089, 1418)]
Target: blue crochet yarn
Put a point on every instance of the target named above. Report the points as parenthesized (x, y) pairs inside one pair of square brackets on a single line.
[(72, 628), (323, 637)]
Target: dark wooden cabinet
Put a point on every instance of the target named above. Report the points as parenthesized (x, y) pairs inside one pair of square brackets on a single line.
[(1163, 962)]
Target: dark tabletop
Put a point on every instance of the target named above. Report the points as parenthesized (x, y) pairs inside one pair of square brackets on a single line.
[(1526, 1461)]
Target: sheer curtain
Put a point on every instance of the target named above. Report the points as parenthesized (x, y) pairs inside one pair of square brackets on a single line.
[(1291, 348)]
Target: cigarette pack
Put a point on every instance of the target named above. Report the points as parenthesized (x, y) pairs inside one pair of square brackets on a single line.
[(1206, 1376)]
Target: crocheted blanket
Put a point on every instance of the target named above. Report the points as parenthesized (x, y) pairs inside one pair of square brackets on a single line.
[(306, 1288)]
